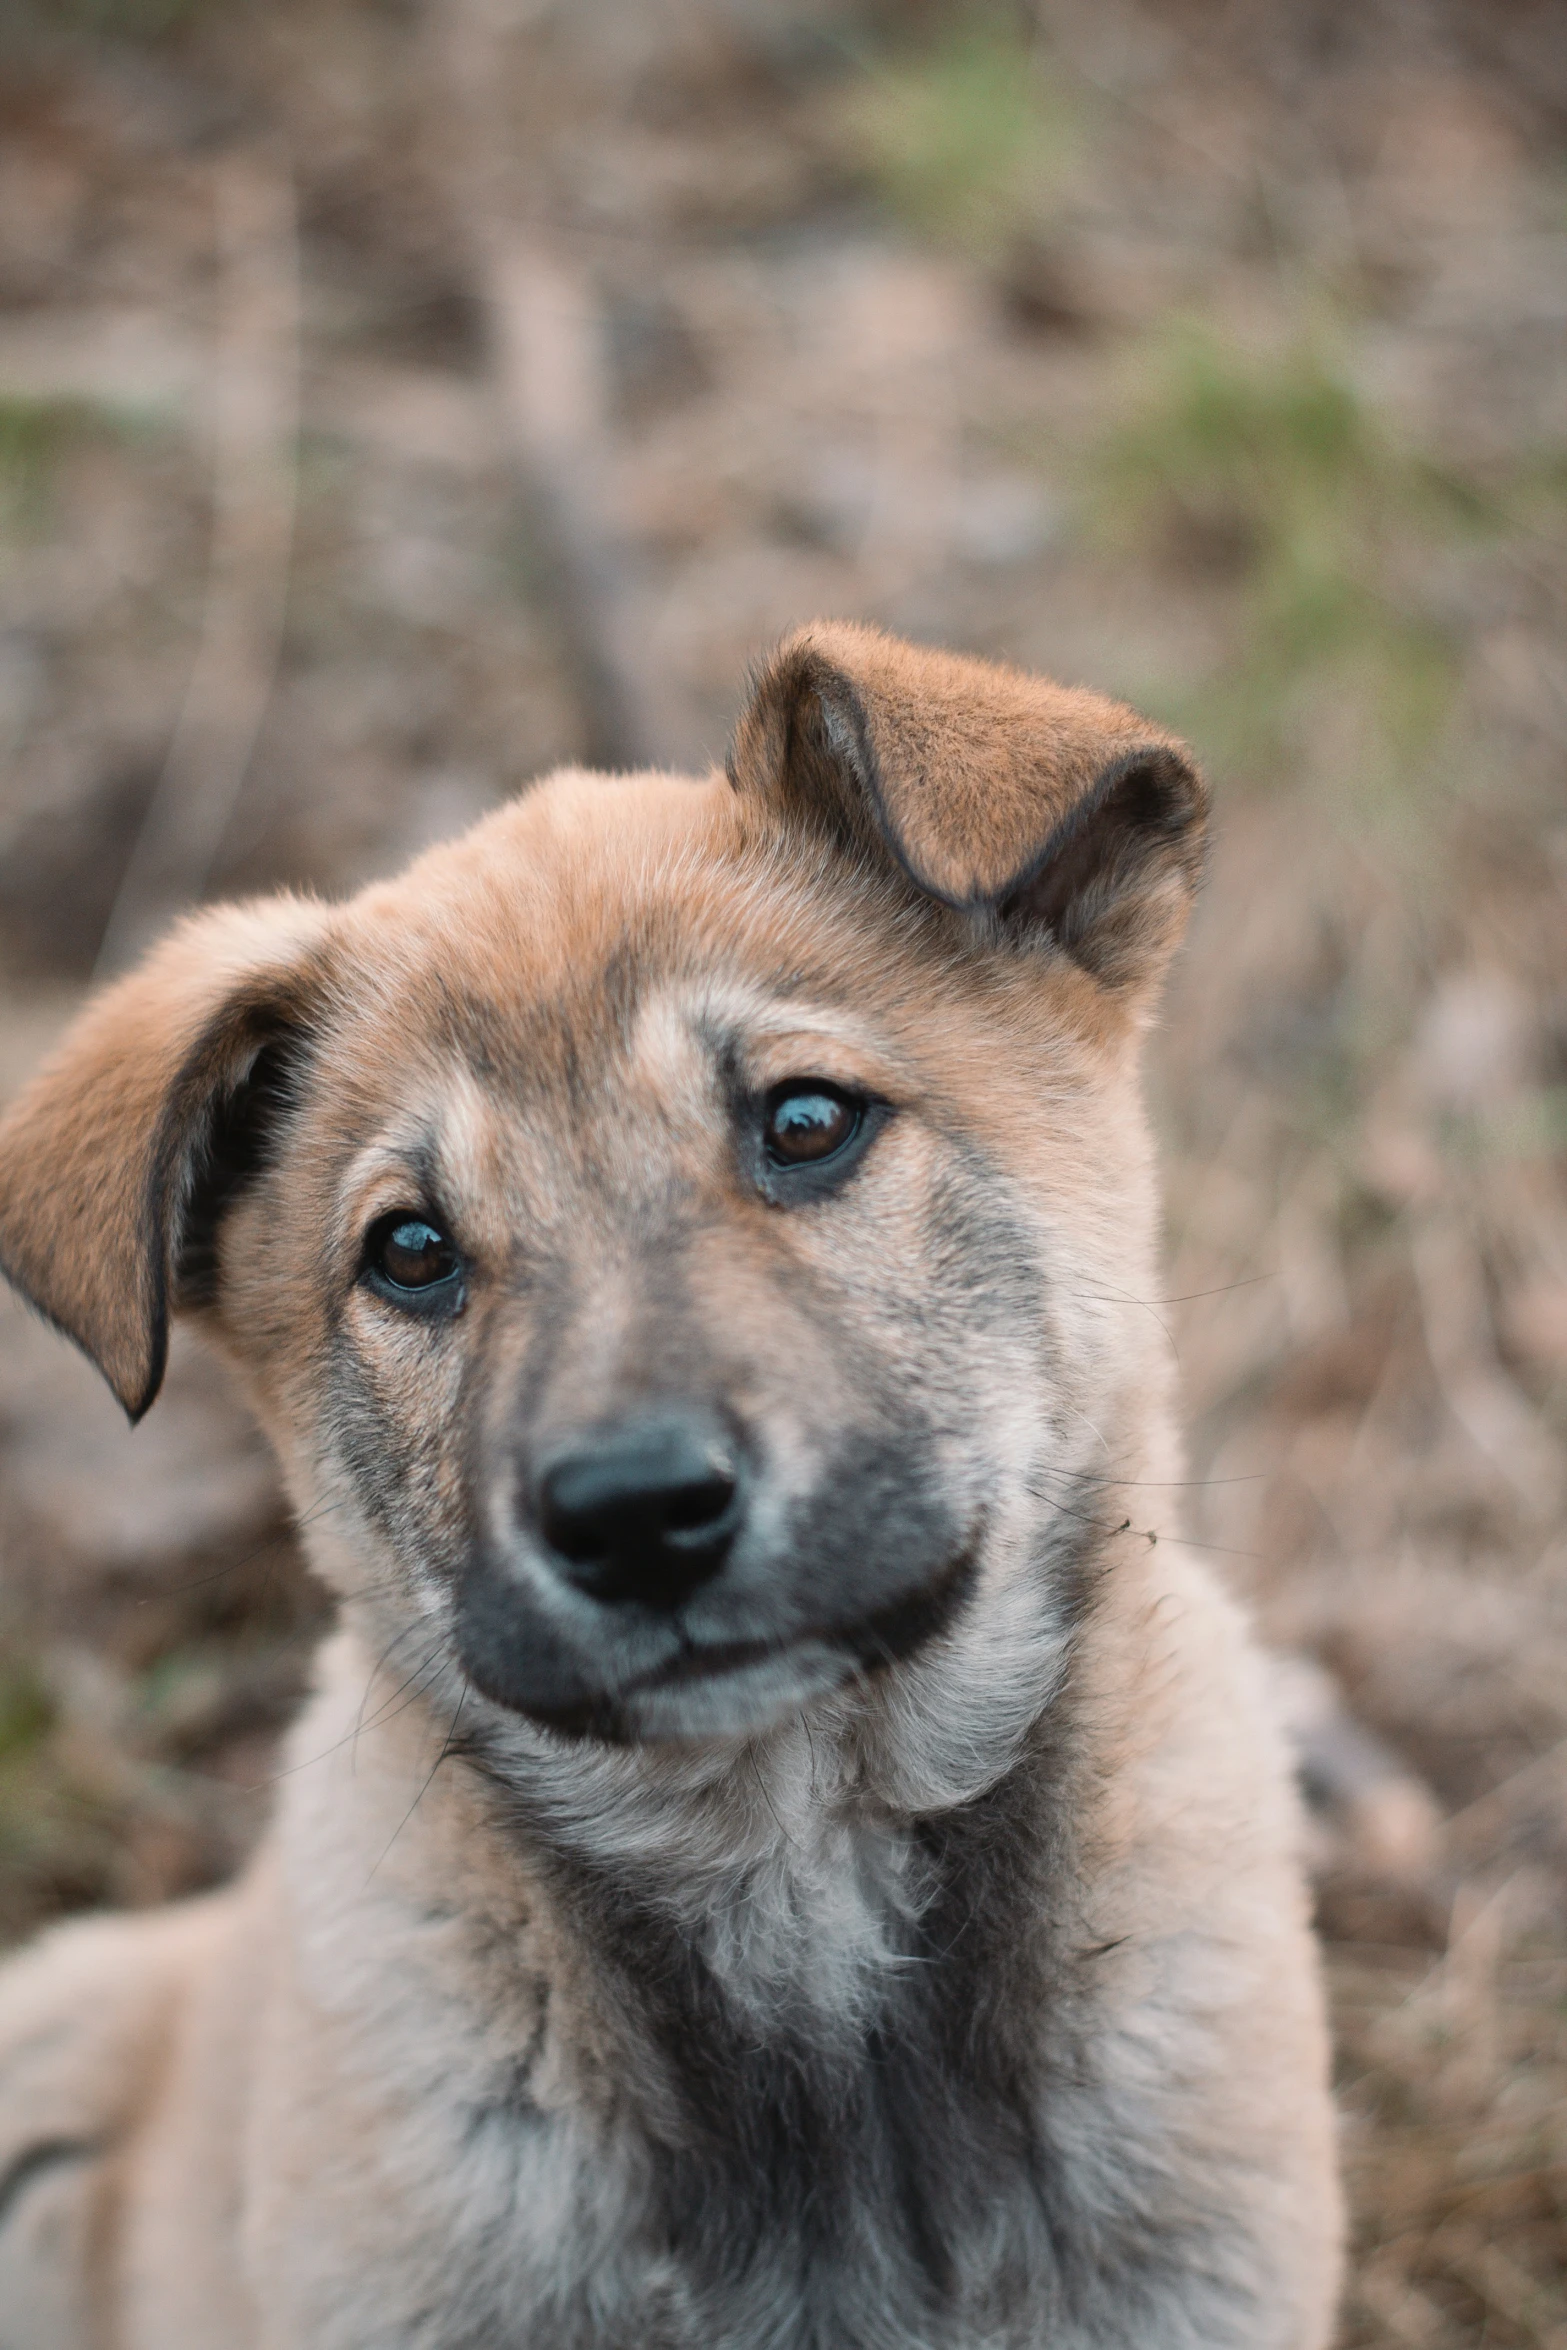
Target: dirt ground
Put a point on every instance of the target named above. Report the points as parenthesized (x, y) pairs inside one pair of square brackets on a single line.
[(398, 399)]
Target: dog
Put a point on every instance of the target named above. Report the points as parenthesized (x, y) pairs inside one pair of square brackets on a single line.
[(787, 1850)]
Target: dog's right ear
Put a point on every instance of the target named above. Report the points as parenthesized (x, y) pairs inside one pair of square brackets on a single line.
[(1062, 815), (115, 1161)]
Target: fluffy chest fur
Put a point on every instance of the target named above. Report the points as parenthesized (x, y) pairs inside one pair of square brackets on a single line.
[(757, 2058), (674, 2167)]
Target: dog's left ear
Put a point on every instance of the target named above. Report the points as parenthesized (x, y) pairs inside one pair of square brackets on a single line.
[(118, 1160), (1053, 808)]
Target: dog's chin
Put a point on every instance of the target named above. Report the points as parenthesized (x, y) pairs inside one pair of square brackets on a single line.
[(730, 1690)]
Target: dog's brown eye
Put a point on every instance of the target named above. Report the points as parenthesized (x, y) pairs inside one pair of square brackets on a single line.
[(410, 1253), (808, 1122)]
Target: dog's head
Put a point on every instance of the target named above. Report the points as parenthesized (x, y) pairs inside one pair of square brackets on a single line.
[(673, 1233)]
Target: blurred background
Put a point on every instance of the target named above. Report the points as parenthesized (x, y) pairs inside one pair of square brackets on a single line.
[(398, 398)]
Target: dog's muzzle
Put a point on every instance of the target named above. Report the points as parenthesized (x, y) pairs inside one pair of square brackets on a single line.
[(644, 1578)]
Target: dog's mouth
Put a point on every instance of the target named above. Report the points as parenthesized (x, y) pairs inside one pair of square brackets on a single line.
[(876, 1640), (717, 1688)]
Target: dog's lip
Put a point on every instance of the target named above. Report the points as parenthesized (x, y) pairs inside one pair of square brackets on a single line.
[(699, 1661), (880, 1638), (674, 1696)]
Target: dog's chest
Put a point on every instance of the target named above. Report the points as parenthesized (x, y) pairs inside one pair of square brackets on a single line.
[(700, 2107), (845, 2198), (810, 2134)]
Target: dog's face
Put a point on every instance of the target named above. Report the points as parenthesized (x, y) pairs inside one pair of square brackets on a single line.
[(663, 1229)]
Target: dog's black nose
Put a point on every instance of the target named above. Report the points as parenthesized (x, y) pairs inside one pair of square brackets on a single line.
[(646, 1511)]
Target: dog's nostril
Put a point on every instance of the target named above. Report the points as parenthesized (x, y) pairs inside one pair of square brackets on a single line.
[(695, 1508), (641, 1512), (585, 1519)]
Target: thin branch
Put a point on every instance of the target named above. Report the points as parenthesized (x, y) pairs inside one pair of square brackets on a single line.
[(255, 431), (547, 339)]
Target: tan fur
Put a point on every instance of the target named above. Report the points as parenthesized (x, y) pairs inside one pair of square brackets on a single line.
[(427, 2075)]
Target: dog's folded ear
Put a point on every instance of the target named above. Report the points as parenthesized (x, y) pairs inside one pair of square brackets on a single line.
[(1052, 808), (116, 1160)]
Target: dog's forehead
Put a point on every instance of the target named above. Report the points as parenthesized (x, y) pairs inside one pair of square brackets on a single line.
[(578, 922)]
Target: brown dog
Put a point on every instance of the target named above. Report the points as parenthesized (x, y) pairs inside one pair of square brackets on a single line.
[(779, 1858)]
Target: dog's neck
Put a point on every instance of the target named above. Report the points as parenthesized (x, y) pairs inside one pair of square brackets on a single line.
[(792, 1866)]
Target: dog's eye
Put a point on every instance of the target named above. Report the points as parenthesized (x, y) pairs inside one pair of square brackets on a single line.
[(807, 1122), (408, 1254)]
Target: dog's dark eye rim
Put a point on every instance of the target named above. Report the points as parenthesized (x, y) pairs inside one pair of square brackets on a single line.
[(412, 1261)]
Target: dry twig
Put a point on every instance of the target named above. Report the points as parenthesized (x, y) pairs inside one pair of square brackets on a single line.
[(549, 373), (254, 424)]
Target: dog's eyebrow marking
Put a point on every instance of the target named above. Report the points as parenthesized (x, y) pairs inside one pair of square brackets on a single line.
[(441, 1151), (411, 1163), (766, 1018), (458, 1136), (735, 1025)]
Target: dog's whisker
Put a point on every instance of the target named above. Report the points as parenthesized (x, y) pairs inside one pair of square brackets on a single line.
[(361, 1723), (1123, 1297), (408, 1632), (446, 1748), (232, 1566), (1183, 1298), (383, 1714), (1150, 1534), (1159, 1484)]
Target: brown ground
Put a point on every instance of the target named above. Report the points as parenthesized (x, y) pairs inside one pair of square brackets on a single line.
[(396, 399)]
